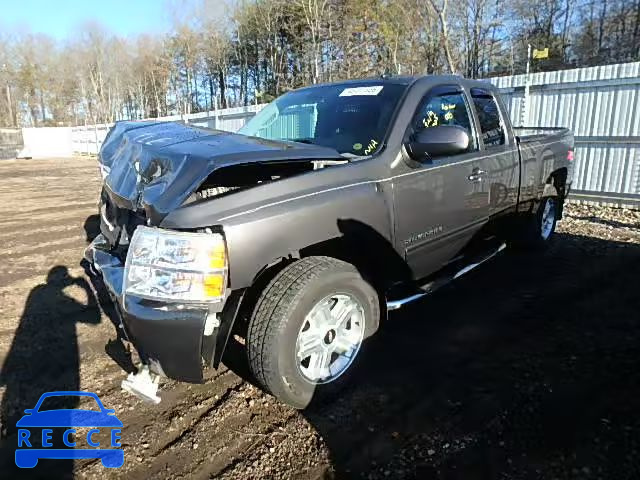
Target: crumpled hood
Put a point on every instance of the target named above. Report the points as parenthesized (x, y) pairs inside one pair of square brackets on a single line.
[(158, 165)]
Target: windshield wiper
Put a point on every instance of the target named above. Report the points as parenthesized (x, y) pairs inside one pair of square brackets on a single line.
[(301, 140)]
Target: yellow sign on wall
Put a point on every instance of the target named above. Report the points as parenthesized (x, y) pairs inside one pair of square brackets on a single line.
[(544, 53)]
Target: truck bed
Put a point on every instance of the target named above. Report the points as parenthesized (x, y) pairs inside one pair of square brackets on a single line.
[(543, 150), (530, 134)]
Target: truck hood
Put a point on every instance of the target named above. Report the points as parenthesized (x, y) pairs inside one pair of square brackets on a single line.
[(151, 165)]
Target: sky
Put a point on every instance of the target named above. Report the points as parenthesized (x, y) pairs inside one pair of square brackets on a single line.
[(60, 18)]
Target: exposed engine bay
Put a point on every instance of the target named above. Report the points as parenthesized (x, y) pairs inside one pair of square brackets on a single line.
[(234, 178)]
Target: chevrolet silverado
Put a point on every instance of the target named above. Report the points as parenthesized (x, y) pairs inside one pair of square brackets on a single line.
[(334, 205)]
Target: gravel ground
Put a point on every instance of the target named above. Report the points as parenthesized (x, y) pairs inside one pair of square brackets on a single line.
[(526, 368)]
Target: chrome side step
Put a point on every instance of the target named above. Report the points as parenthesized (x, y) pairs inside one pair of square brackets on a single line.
[(474, 265), (434, 285), (396, 304)]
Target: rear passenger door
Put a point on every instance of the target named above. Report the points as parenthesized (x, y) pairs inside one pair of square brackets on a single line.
[(499, 167), (441, 203)]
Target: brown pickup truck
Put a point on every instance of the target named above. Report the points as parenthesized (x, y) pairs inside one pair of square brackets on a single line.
[(334, 205)]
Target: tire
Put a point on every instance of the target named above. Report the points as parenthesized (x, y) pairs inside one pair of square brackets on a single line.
[(539, 227), (301, 294)]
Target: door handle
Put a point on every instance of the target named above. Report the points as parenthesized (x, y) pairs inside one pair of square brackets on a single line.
[(476, 175)]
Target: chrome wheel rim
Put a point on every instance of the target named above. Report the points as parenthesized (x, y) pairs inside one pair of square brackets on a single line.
[(330, 338), (548, 218)]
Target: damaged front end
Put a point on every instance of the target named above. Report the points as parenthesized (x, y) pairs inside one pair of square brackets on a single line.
[(172, 338), (151, 273)]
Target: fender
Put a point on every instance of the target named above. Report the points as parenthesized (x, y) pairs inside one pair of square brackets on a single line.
[(282, 228)]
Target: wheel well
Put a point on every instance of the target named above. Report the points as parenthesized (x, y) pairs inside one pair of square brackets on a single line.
[(360, 245), (335, 248), (374, 256), (558, 179), (252, 293)]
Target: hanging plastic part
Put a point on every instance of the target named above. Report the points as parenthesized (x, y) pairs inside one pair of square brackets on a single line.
[(143, 384)]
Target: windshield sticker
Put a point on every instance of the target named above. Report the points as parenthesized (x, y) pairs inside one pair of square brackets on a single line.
[(357, 146), (431, 120), (353, 91), (448, 116), (371, 147), (446, 107)]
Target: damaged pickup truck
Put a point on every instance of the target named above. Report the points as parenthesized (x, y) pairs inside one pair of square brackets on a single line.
[(334, 205)]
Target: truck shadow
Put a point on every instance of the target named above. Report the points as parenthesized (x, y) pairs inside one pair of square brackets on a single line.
[(606, 221), (524, 368), (44, 357)]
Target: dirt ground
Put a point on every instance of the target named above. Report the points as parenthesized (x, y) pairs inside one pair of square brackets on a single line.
[(526, 368)]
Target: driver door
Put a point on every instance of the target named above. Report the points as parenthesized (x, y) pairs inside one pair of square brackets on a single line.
[(442, 202)]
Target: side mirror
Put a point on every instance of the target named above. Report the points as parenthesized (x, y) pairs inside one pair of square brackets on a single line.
[(29, 411), (438, 141)]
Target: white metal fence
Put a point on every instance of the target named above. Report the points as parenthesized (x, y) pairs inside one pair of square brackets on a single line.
[(601, 105), (88, 140)]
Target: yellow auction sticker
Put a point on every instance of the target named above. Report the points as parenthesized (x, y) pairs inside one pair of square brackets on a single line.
[(357, 146)]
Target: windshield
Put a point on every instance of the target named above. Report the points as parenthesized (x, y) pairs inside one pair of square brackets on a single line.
[(350, 118)]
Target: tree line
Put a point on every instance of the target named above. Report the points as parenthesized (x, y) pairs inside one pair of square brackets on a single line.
[(221, 55)]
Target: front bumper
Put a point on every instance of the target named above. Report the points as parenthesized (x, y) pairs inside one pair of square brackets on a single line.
[(169, 338)]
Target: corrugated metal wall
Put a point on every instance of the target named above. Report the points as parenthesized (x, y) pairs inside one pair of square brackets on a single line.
[(601, 105)]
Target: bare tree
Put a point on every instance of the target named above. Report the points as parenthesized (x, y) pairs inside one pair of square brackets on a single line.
[(253, 50), (315, 14), (441, 11)]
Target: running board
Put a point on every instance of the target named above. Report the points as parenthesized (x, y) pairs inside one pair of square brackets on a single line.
[(441, 281)]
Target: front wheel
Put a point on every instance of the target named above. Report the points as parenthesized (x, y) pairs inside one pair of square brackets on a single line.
[(308, 327)]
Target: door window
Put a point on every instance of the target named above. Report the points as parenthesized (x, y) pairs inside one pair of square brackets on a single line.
[(491, 127), (444, 106)]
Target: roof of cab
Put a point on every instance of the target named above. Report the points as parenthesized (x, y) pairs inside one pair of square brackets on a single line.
[(399, 80), (404, 80)]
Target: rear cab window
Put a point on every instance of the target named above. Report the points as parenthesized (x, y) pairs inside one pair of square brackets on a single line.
[(492, 129), (444, 105)]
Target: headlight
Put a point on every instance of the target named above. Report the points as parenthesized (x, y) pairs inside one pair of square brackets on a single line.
[(176, 266)]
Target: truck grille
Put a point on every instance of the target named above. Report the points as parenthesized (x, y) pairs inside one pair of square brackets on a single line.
[(118, 224)]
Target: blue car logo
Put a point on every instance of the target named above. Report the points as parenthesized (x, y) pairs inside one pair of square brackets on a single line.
[(27, 457)]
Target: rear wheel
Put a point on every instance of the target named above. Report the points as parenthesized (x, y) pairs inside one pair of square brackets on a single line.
[(548, 217), (539, 227), (308, 327)]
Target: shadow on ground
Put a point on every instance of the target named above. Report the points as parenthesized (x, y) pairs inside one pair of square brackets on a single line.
[(44, 357), (525, 368), (606, 221)]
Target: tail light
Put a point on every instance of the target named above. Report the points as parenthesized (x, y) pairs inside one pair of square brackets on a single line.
[(570, 155)]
